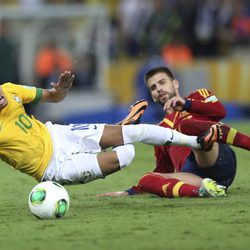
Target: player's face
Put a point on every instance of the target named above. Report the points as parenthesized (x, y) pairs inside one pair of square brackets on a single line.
[(3, 100), (161, 87)]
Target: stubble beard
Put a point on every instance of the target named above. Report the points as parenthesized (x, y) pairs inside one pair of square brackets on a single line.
[(170, 95)]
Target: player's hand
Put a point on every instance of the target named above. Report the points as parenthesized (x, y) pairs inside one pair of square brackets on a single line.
[(65, 81), (176, 103), (114, 194)]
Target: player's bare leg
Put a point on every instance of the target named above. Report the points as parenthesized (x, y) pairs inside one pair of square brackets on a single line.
[(207, 158), (112, 136), (108, 162), (121, 155), (208, 141)]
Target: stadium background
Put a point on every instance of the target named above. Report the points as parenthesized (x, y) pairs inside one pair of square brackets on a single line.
[(109, 44)]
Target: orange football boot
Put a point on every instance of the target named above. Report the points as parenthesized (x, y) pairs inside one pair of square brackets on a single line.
[(135, 113), (207, 139)]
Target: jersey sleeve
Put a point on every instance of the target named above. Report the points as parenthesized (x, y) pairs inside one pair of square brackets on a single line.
[(28, 94), (205, 103)]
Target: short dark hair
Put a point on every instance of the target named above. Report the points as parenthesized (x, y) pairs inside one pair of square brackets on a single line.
[(155, 70)]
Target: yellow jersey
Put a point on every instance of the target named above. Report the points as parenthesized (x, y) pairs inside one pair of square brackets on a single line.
[(25, 143)]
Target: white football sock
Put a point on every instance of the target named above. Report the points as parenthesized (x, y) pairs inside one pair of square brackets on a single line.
[(156, 135), (125, 154)]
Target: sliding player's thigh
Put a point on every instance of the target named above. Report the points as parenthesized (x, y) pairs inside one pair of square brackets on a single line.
[(85, 167), (78, 168)]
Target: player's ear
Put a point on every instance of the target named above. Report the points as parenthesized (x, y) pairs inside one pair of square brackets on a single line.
[(176, 86)]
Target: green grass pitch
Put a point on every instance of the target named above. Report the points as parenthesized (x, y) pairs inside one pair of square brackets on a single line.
[(128, 223)]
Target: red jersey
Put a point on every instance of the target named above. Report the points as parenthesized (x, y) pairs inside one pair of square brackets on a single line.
[(200, 105)]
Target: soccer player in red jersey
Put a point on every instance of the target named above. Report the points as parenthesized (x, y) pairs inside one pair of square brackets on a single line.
[(179, 170)]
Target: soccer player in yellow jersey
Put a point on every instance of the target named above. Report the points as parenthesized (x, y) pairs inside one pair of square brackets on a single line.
[(72, 153)]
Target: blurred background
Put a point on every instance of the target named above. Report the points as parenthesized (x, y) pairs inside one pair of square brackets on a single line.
[(110, 44)]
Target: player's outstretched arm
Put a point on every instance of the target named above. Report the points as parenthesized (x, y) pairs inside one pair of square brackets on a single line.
[(114, 194), (59, 89)]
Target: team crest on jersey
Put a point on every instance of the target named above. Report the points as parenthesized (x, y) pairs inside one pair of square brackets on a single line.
[(16, 98), (211, 98)]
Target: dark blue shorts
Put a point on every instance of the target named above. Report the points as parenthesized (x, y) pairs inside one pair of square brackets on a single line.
[(223, 171)]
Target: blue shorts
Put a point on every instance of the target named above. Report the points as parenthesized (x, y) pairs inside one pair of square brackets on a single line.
[(223, 171)]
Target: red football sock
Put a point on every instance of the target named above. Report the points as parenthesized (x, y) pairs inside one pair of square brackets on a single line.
[(166, 187), (229, 135)]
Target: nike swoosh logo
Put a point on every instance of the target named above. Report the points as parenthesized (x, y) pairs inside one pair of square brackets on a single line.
[(172, 137)]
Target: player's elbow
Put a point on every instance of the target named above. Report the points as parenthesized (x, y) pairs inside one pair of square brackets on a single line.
[(220, 111)]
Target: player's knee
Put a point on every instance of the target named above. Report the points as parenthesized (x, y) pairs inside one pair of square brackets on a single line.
[(125, 154)]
